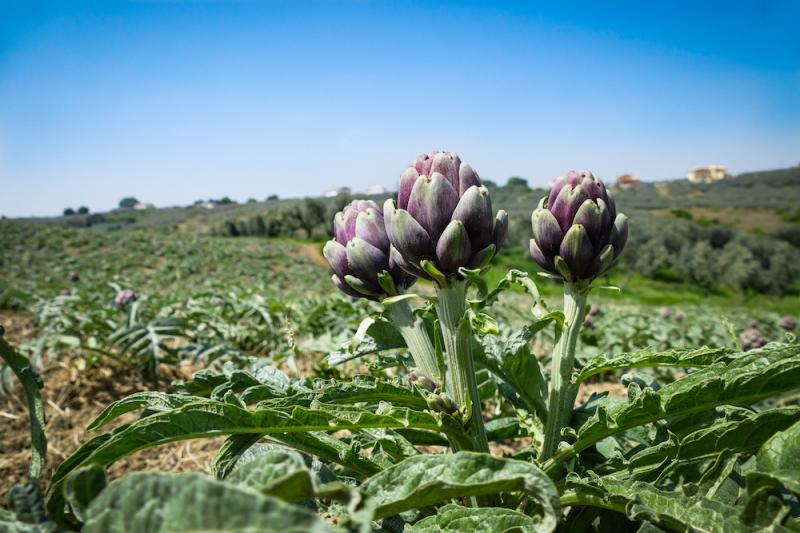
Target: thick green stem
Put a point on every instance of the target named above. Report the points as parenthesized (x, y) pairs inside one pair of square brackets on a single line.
[(461, 384), (574, 499), (412, 328), (562, 390)]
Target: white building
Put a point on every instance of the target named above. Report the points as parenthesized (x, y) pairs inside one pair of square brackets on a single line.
[(375, 190), (141, 206), (339, 191), (708, 174)]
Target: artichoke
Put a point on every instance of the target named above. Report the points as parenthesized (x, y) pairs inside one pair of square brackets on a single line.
[(359, 254), (577, 232), (124, 297), (750, 339), (443, 216), (787, 322)]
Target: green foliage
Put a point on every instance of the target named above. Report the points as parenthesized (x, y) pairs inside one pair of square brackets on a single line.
[(128, 202), (705, 438)]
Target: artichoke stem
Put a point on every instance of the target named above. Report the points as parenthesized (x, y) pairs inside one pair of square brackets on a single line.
[(461, 384), (412, 329), (562, 390)]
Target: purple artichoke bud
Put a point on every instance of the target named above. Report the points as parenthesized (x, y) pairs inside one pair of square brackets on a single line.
[(66, 292), (594, 310), (442, 403), (218, 301), (679, 317), (666, 313), (124, 297), (360, 255), (73, 276), (588, 321), (753, 323), (443, 215), (577, 232), (422, 381), (751, 339), (787, 322)]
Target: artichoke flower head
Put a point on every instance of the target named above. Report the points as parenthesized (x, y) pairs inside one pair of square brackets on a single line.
[(442, 219), (359, 254), (577, 232)]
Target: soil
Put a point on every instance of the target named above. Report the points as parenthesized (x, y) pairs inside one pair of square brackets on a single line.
[(73, 396)]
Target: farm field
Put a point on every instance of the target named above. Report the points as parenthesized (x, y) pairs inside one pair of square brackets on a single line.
[(173, 316)]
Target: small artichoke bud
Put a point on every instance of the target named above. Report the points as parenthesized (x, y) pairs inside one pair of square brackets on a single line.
[(679, 317), (666, 313), (73, 276), (443, 215), (577, 232), (594, 310), (787, 322), (360, 255), (442, 403), (422, 381), (751, 339), (218, 301), (66, 292), (754, 323), (125, 297)]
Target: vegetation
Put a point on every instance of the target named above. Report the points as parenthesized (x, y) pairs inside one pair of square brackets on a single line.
[(357, 414)]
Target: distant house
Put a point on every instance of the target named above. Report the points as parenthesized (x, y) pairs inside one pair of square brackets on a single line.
[(141, 206), (207, 205), (339, 191), (707, 174), (627, 181), (375, 190)]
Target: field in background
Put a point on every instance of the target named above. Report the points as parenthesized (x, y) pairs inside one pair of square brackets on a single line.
[(215, 290)]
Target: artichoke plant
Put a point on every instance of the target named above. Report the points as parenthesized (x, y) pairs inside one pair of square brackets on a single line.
[(364, 268), (359, 254), (577, 232), (577, 236), (442, 216)]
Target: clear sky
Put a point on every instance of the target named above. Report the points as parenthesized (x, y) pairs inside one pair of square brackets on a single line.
[(173, 101)]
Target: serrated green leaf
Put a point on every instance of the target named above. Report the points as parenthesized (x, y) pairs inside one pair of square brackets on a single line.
[(206, 418), (379, 336), (694, 358), (476, 520), (191, 502), (429, 479), (515, 364), (641, 501), (276, 472), (778, 461), (31, 383), (748, 378)]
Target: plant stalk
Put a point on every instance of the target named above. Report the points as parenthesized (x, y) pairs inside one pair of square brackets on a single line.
[(461, 384), (562, 390), (412, 329)]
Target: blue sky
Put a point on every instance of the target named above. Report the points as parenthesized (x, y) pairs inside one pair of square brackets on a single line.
[(173, 101)]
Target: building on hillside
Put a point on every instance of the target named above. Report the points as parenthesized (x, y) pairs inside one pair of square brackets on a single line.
[(627, 181), (708, 174), (207, 205), (339, 191), (141, 206), (375, 190)]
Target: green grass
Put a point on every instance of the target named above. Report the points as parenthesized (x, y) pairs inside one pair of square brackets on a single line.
[(639, 290)]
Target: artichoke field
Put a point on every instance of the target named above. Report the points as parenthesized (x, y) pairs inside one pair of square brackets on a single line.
[(428, 409)]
